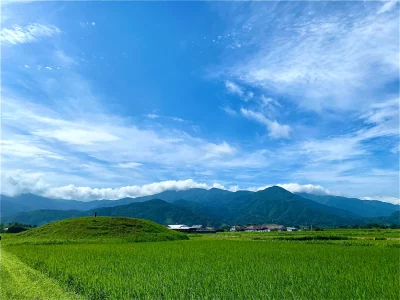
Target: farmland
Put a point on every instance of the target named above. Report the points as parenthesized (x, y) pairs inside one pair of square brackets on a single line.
[(362, 264)]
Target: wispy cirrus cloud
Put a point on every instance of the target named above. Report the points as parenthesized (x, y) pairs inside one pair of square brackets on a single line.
[(110, 138), (27, 34), (229, 111), (74, 138), (388, 6), (380, 121), (322, 58), (234, 88), (155, 116), (275, 130)]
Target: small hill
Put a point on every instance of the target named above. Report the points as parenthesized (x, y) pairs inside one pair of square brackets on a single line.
[(98, 230)]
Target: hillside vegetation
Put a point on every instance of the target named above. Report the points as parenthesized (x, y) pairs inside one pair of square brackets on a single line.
[(98, 230)]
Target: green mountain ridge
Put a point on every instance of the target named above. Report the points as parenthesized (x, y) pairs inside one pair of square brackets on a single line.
[(155, 210), (212, 207), (393, 219), (363, 208)]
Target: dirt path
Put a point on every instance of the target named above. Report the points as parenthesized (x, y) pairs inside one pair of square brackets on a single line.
[(18, 281)]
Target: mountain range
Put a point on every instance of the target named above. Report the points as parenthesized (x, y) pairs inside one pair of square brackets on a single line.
[(213, 207)]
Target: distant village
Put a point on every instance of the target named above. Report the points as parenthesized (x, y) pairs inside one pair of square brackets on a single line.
[(248, 228)]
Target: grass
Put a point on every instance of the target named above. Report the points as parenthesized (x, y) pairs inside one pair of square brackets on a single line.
[(215, 268), (101, 263), (96, 230), (18, 281), (360, 234)]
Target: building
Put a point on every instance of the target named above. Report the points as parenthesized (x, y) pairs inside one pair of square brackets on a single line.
[(237, 228), (275, 227), (256, 228), (194, 228), (198, 227), (264, 228), (292, 229), (181, 227)]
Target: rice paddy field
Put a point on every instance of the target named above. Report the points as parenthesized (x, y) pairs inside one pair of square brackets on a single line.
[(333, 264)]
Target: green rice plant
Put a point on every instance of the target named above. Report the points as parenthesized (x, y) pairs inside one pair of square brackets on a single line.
[(211, 268)]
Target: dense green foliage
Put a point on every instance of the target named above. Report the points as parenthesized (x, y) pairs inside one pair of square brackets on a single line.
[(224, 267), (393, 219), (97, 229), (14, 227)]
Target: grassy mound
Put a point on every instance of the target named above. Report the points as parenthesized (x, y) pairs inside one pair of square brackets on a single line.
[(96, 230)]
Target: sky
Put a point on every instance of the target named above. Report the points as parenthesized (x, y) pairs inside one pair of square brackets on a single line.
[(103, 100)]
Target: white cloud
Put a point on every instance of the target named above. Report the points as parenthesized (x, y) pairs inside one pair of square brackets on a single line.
[(298, 188), (78, 135), (323, 58), (380, 120), (336, 148), (34, 183), (19, 181), (267, 101), (229, 111), (155, 116), (177, 119), (25, 150), (152, 116), (110, 139), (129, 165), (63, 59), (219, 150), (275, 130), (27, 34), (382, 112), (93, 23), (233, 88), (392, 200), (249, 95), (307, 188), (387, 7)]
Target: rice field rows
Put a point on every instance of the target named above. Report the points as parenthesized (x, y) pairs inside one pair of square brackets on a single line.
[(220, 269)]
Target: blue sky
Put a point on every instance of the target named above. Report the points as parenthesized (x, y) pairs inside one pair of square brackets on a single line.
[(107, 100)]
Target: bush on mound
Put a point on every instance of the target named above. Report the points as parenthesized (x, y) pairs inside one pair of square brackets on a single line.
[(97, 230)]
